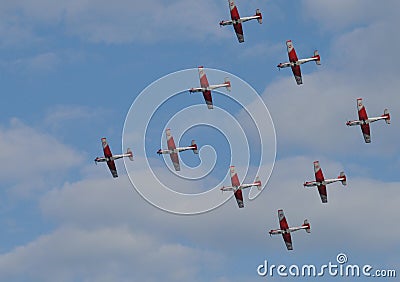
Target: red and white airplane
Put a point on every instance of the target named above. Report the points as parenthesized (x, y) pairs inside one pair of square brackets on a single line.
[(173, 150), (237, 187), (364, 121), (237, 21), (109, 157), (285, 230), (206, 88), (321, 182), (295, 63)]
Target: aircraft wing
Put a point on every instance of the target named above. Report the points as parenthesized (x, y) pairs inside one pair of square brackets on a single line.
[(113, 168), (239, 32), (239, 198), (362, 115), (106, 148), (170, 140), (282, 220), (284, 226), (297, 74), (208, 99), (237, 25), (362, 112), (175, 161), (172, 148), (319, 177), (234, 177), (323, 193), (203, 78), (204, 84), (235, 183), (366, 131), (288, 240), (108, 155), (293, 59)]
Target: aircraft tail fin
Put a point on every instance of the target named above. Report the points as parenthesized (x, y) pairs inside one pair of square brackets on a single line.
[(129, 152), (307, 225), (257, 183), (387, 116), (318, 57), (194, 145), (343, 177), (228, 82), (259, 15)]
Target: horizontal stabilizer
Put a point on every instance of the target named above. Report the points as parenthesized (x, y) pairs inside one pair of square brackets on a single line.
[(259, 15), (227, 81), (316, 55), (194, 145), (343, 177), (130, 154), (387, 116), (258, 183), (307, 224)]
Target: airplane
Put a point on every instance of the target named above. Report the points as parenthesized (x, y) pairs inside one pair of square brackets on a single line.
[(285, 229), (206, 88), (237, 187), (109, 157), (173, 150), (295, 63), (364, 121), (237, 21), (321, 182)]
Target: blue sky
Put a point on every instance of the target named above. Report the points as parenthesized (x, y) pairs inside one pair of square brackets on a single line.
[(70, 72)]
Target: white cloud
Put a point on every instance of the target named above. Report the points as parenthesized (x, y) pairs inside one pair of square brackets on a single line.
[(60, 114), (13, 34), (312, 116), (366, 51), (340, 14), (103, 228), (33, 158), (44, 62), (100, 203), (121, 21), (107, 254), (95, 217), (264, 49)]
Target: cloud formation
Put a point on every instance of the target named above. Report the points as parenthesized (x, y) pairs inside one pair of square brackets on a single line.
[(112, 22), (32, 158)]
